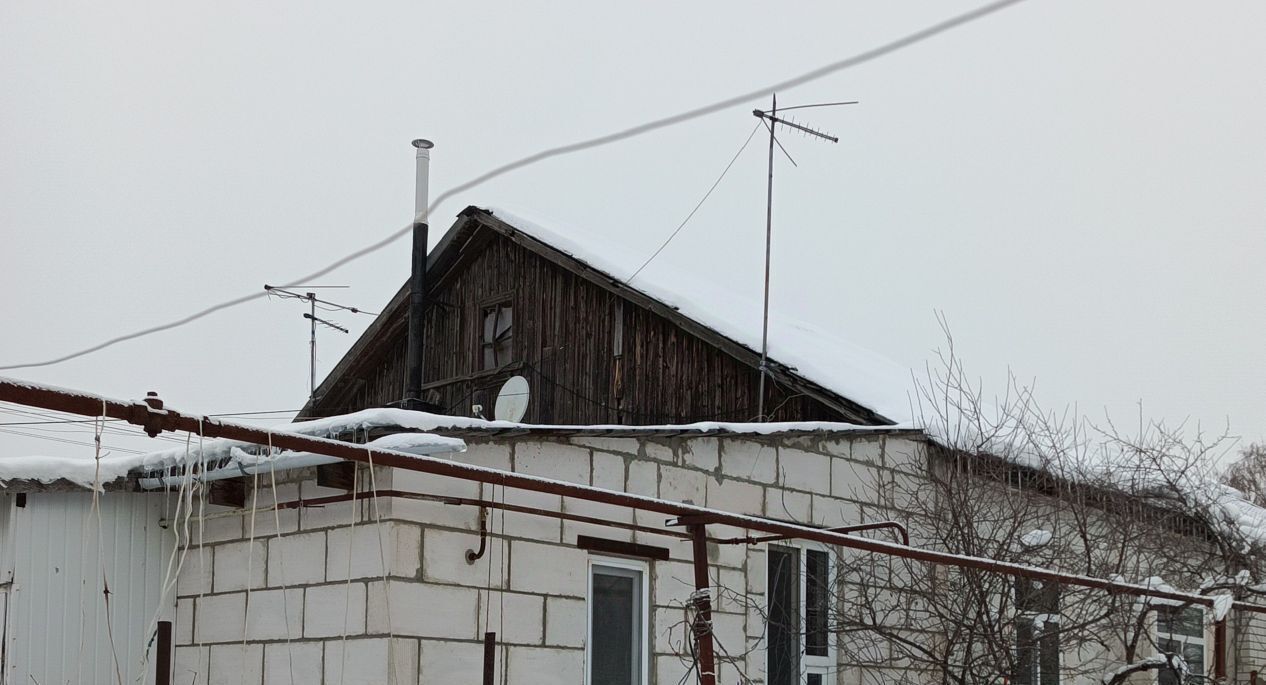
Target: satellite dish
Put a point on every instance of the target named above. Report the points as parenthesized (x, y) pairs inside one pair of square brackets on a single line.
[(512, 400)]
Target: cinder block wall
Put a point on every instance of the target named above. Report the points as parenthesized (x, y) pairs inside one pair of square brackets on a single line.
[(309, 598)]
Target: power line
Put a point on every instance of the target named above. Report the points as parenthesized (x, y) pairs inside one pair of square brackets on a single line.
[(67, 441), (263, 415), (113, 430), (258, 413), (53, 421), (549, 153), (50, 421)]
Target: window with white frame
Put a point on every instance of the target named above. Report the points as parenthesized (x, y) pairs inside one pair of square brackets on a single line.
[(798, 648), (1180, 630), (616, 652), (1036, 633)]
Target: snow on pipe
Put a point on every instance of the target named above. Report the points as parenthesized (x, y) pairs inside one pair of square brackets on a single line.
[(237, 470), (421, 444)]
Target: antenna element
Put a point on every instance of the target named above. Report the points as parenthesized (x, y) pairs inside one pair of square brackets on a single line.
[(313, 300)]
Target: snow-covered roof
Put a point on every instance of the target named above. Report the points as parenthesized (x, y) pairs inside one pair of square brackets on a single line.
[(417, 436), (233, 455), (851, 371)]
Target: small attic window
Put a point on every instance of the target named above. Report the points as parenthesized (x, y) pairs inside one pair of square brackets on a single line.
[(497, 335)]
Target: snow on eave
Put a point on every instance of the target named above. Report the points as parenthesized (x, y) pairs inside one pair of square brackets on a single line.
[(443, 423), (1232, 511), (853, 373), (36, 472), (219, 453)]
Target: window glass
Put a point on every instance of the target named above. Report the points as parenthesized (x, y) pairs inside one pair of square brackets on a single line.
[(1180, 621), (497, 335), (783, 639), (816, 602), (1180, 630), (1036, 633), (615, 620), (1191, 652), (798, 647)]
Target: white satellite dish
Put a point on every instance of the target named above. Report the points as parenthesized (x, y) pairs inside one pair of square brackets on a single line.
[(512, 400)]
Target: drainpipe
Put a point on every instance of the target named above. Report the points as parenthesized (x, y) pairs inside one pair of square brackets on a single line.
[(417, 277)]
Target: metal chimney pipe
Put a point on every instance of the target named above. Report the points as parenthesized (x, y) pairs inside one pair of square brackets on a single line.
[(417, 277), (422, 191)]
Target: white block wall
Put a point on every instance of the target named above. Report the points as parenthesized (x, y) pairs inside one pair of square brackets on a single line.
[(307, 603)]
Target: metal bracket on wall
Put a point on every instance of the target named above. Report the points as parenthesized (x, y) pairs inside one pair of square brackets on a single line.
[(471, 555)]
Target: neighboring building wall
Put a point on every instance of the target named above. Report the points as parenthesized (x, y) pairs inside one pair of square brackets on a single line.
[(58, 552), (1248, 639), (429, 622)]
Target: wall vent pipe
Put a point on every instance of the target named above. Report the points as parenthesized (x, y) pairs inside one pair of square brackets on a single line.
[(417, 277)]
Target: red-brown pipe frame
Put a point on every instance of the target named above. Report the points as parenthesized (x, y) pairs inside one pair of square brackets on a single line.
[(154, 418)]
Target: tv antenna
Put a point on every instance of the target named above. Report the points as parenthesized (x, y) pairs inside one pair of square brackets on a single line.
[(313, 302), (772, 121)]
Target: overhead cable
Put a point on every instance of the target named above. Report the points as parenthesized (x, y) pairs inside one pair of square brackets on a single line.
[(561, 150)]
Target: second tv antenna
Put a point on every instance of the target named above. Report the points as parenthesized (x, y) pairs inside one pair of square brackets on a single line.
[(313, 301), (772, 121)]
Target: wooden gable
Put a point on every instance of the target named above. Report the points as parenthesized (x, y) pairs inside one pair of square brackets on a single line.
[(593, 350)]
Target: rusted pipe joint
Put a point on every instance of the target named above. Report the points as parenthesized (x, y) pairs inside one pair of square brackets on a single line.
[(155, 416)]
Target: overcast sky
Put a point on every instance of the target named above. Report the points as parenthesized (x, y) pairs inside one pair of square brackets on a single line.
[(1080, 187)]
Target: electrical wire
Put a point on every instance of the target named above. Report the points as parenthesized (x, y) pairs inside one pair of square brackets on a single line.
[(43, 426), (561, 150), (382, 558), (68, 441), (347, 592), (258, 413), (28, 412), (702, 200), (818, 104), (43, 423), (281, 559)]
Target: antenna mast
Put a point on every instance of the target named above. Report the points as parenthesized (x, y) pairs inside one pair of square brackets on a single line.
[(313, 320), (772, 121)]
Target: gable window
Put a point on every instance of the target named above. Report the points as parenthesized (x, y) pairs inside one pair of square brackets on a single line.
[(798, 648), (616, 649), (496, 338), (1036, 633), (1180, 630)]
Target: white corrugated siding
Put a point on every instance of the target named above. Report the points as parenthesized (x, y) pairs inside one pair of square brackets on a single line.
[(60, 554)]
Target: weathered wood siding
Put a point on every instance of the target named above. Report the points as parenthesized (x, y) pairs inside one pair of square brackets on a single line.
[(565, 344)]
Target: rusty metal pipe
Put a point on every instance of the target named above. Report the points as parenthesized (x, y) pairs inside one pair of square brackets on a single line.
[(489, 504), (490, 658), (162, 662), (156, 419), (752, 540), (472, 555), (701, 627)]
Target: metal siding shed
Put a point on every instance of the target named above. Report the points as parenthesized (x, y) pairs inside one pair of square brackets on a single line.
[(59, 552)]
